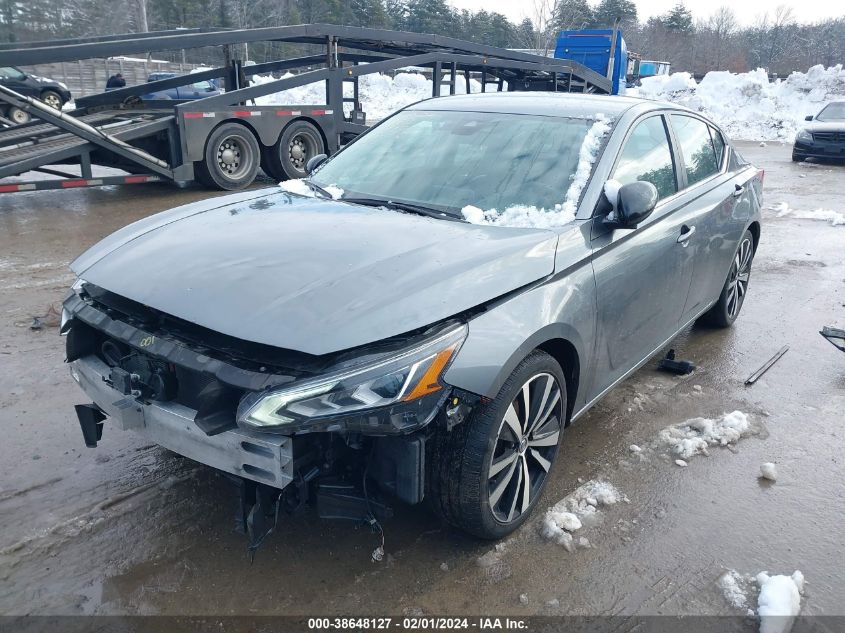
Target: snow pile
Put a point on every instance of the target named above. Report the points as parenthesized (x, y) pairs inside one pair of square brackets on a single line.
[(835, 218), (779, 601), (577, 509), (301, 188), (733, 586), (747, 105), (380, 95), (524, 216), (696, 435), (769, 471)]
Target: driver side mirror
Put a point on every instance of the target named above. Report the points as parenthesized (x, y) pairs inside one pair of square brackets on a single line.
[(635, 202), (809, 117), (314, 162)]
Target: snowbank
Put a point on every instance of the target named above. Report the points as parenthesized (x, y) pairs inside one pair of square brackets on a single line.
[(696, 435), (532, 217), (747, 105), (380, 95)]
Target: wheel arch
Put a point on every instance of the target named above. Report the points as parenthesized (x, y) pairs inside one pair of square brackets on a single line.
[(754, 227), (476, 373), (564, 352)]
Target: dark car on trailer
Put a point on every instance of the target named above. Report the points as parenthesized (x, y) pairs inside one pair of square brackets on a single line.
[(364, 340), (823, 136), (54, 93)]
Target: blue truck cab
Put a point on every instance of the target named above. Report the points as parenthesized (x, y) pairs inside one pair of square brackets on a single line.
[(591, 47)]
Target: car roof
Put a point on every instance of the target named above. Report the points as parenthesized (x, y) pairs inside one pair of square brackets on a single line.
[(541, 103)]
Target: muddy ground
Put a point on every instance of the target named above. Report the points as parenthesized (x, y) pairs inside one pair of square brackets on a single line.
[(128, 528)]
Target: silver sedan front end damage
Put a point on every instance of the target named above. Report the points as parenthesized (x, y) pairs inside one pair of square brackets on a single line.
[(261, 457)]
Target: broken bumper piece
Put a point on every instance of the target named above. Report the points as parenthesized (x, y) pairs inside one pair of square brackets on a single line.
[(261, 457), (835, 336)]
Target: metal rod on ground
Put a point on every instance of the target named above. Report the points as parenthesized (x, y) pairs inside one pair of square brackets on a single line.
[(768, 364)]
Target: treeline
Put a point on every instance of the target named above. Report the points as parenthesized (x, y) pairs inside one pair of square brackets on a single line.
[(777, 41)]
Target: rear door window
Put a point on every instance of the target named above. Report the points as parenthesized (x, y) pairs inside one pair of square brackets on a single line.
[(647, 156), (696, 147)]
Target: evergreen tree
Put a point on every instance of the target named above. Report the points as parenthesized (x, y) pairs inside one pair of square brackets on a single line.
[(572, 14), (608, 10), (679, 19)]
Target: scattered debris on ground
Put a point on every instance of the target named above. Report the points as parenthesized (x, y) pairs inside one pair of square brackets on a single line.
[(766, 366), (769, 471), (52, 318)]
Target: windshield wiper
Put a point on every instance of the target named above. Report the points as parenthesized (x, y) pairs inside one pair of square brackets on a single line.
[(318, 189), (419, 209)]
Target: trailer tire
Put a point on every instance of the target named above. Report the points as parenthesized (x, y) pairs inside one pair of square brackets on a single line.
[(232, 158), (18, 116), (286, 159)]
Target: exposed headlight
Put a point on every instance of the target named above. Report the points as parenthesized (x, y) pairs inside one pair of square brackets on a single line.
[(405, 387), (804, 135)]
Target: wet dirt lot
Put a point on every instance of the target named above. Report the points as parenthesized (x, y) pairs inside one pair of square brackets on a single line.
[(129, 528)]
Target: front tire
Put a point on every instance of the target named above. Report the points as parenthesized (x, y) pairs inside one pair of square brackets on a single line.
[(797, 158), (727, 308), (486, 476), (52, 99)]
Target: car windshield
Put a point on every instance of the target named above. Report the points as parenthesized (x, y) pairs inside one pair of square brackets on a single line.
[(833, 112), (447, 160)]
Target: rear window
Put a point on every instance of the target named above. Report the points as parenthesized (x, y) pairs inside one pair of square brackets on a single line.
[(699, 155)]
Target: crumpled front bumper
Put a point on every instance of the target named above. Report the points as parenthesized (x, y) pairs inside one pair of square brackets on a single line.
[(261, 457)]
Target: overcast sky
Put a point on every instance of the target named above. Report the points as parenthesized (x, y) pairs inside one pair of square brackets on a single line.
[(746, 10)]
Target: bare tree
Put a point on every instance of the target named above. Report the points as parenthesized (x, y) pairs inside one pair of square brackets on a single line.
[(722, 26)]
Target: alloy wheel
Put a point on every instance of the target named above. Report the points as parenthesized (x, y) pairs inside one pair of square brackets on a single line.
[(526, 444), (739, 277)]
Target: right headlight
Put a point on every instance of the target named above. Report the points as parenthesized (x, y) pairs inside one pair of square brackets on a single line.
[(388, 395), (804, 135)]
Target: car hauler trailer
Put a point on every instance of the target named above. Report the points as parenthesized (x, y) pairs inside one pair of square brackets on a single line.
[(222, 140)]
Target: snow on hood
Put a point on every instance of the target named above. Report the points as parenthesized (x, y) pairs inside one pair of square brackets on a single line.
[(525, 216), (747, 105)]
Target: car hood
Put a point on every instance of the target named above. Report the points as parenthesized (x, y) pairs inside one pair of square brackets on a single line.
[(312, 275), (825, 126)]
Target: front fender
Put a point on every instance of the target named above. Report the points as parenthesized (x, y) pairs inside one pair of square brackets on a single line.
[(498, 339)]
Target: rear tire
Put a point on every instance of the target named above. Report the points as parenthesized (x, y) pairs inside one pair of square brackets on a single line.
[(52, 99), (461, 489), (286, 159), (726, 310), (232, 158), (18, 116)]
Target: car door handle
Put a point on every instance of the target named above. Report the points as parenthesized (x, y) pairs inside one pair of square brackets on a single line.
[(686, 233), (738, 189)]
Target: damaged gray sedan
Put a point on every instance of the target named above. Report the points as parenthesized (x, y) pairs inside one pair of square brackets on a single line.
[(421, 318)]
